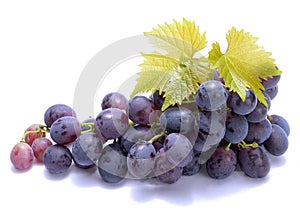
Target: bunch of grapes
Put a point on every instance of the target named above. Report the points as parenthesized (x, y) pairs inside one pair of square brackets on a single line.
[(135, 139)]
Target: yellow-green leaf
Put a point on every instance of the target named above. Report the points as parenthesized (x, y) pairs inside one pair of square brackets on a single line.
[(244, 64), (178, 71)]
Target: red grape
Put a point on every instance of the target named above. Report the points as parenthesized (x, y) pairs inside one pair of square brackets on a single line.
[(22, 156), (33, 132), (39, 146)]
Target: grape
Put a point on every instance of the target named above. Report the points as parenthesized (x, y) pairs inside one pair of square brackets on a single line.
[(114, 100), (236, 128), (39, 146), (178, 149), (133, 135), (193, 167), (281, 121), (21, 156), (112, 165), (254, 162), (272, 92), (221, 164), (217, 76), (65, 130), (57, 111), (33, 132), (140, 109), (57, 159), (260, 112), (241, 107), (271, 82), (164, 170), (177, 120), (86, 150), (112, 123), (141, 158), (158, 99), (211, 95), (259, 132), (277, 143)]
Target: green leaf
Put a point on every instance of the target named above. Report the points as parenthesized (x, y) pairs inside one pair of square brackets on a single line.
[(244, 64), (177, 72)]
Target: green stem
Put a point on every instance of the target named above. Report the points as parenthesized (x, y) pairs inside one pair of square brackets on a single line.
[(227, 148), (156, 137), (90, 125)]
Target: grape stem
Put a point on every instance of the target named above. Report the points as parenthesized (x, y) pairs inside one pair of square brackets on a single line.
[(244, 145), (156, 137), (90, 125), (227, 148)]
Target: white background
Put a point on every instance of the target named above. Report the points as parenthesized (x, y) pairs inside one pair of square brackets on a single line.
[(44, 46)]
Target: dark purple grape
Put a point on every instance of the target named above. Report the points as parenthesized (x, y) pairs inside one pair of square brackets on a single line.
[(193, 167), (65, 130), (112, 165), (114, 100), (277, 143), (211, 95), (260, 112), (254, 162), (239, 106), (221, 164), (272, 92), (271, 82), (112, 123), (259, 132), (281, 121), (57, 111), (86, 150), (177, 120), (158, 99), (236, 128), (57, 159), (171, 176)]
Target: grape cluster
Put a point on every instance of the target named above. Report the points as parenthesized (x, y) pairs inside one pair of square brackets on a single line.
[(135, 139)]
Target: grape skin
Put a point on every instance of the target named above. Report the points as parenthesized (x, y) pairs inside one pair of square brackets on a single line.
[(57, 159), (211, 95), (277, 143), (254, 162), (57, 111), (241, 107), (22, 156), (260, 112), (221, 164), (236, 128), (114, 100), (39, 147), (34, 133), (280, 121), (259, 132), (65, 130)]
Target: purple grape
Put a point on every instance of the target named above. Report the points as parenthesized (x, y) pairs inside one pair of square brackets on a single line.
[(259, 132), (57, 111), (241, 107), (280, 121), (114, 100)]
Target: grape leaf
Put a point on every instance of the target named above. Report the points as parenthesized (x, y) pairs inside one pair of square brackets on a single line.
[(177, 71), (244, 64)]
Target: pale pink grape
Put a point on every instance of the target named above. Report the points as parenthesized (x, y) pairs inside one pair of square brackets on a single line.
[(22, 156)]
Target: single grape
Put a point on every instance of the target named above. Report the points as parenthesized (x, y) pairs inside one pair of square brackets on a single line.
[(277, 143), (259, 132), (158, 99), (133, 135), (239, 106), (33, 132), (260, 112), (217, 76), (114, 100), (65, 130), (177, 120), (280, 121), (236, 128), (21, 156), (112, 123), (86, 150), (221, 164), (57, 159), (164, 170), (112, 165), (193, 167), (178, 149), (140, 159), (211, 95), (57, 111), (39, 147), (254, 162), (272, 92), (140, 109), (271, 82)]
